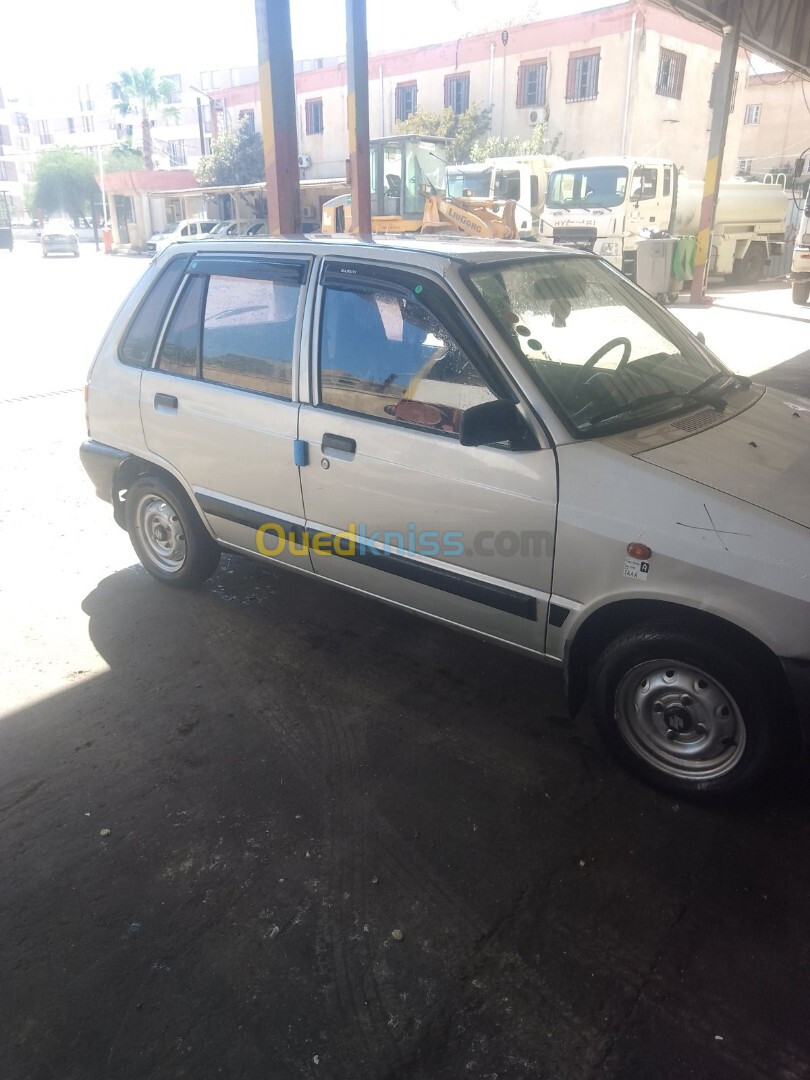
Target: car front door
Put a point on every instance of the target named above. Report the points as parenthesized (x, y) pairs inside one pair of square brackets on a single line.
[(463, 533), (218, 405)]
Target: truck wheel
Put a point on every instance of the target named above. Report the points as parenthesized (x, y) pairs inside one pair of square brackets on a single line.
[(167, 534), (749, 269), (684, 713), (800, 292)]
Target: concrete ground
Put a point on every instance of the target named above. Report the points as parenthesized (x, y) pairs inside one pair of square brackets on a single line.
[(290, 773)]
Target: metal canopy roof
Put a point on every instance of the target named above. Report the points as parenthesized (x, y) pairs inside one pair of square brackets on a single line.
[(776, 29)]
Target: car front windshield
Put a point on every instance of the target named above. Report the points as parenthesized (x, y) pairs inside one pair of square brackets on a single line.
[(584, 187), (601, 351)]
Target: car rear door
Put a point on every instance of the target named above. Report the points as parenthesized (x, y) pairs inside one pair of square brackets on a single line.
[(463, 533), (219, 406)]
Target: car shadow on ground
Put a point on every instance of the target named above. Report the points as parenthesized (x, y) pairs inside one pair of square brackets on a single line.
[(289, 774)]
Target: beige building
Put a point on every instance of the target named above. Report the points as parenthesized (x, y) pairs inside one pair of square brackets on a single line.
[(633, 78), (776, 124)]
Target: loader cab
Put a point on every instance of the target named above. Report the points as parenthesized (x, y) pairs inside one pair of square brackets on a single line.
[(403, 169)]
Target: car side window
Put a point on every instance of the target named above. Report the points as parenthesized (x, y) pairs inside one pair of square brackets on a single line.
[(384, 354), (249, 333), (139, 340), (179, 348)]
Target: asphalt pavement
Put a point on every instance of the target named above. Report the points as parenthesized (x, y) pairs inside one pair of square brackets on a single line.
[(268, 829)]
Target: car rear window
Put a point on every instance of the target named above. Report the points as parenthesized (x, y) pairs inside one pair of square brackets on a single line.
[(138, 343)]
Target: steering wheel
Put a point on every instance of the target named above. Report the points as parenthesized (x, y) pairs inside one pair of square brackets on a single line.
[(583, 372)]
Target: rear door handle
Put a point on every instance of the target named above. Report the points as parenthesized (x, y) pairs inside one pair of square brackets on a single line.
[(337, 442), (166, 402)]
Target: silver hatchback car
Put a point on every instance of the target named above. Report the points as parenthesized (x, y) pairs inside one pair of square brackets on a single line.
[(517, 442)]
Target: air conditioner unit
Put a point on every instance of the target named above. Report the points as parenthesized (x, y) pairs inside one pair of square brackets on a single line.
[(537, 116), (308, 212), (304, 161)]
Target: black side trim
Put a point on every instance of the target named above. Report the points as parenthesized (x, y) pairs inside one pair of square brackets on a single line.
[(100, 463), (243, 515), (557, 614), (250, 267), (481, 592)]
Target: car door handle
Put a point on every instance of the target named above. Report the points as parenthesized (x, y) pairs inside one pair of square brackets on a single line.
[(337, 442), (166, 401)]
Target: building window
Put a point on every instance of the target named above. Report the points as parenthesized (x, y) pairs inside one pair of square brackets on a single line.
[(177, 89), (744, 166), (85, 100), (5, 135), (583, 77), (8, 170), (670, 73), (733, 89), (314, 116), (2, 102), (209, 80), (457, 92), (247, 118), (44, 132), (405, 100), (752, 113), (88, 123), (176, 152), (206, 118), (71, 126), (531, 88), (23, 126)]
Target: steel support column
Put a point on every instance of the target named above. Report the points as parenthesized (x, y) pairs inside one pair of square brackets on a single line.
[(277, 95), (723, 90), (359, 167)]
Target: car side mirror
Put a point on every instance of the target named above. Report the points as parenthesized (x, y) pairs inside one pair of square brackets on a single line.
[(495, 422), (701, 337)]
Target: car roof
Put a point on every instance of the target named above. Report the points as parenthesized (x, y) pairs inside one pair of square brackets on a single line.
[(437, 250)]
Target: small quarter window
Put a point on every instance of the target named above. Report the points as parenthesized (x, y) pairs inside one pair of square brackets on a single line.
[(139, 341), (178, 351)]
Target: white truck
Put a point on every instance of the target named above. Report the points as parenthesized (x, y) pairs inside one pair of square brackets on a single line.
[(523, 179), (607, 204), (800, 264)]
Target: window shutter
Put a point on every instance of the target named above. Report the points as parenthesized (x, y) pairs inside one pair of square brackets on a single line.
[(521, 85), (447, 91), (569, 86)]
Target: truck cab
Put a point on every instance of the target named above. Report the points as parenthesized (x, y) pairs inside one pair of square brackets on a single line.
[(523, 179), (800, 264), (603, 204)]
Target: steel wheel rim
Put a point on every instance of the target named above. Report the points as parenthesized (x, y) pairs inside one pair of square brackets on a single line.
[(161, 531), (680, 720)]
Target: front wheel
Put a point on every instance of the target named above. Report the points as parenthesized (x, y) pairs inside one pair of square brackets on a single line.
[(684, 713), (167, 534), (800, 292)]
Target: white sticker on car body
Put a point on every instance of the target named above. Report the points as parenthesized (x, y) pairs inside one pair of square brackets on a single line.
[(635, 568)]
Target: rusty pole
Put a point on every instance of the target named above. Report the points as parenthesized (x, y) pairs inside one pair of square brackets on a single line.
[(277, 95), (357, 62), (723, 89)]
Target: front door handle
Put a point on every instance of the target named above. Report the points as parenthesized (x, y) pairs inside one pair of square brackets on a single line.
[(337, 442), (166, 401)]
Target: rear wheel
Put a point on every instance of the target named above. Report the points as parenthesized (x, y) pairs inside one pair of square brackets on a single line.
[(749, 269), (685, 714), (800, 292), (167, 534)]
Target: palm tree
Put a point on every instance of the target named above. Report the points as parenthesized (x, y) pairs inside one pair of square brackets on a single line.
[(142, 92)]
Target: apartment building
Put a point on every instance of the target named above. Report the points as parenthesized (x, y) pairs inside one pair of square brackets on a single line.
[(776, 125), (633, 78)]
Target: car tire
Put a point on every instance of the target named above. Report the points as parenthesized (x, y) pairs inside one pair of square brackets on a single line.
[(75, 254), (800, 292), (686, 714), (167, 534)]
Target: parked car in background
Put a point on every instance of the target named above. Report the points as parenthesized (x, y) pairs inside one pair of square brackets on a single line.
[(518, 443), (59, 236), (187, 229)]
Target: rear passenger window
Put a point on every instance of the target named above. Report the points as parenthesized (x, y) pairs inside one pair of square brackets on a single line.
[(178, 351), (249, 332), (139, 341), (387, 356)]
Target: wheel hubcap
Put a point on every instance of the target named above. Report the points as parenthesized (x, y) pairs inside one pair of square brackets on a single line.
[(680, 720), (161, 531)]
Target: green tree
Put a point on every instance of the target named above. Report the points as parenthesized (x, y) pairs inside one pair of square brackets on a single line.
[(237, 157), (537, 143), (64, 182), (123, 158), (467, 128), (141, 92)]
